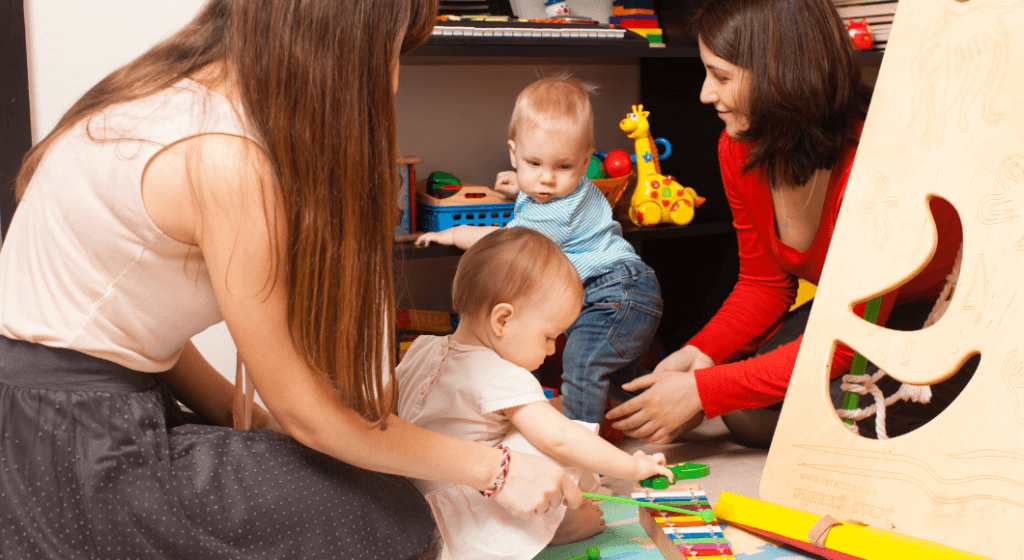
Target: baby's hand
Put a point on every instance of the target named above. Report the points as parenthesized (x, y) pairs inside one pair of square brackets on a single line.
[(651, 465), (507, 183), (446, 237)]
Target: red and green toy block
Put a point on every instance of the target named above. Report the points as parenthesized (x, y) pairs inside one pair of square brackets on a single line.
[(637, 16)]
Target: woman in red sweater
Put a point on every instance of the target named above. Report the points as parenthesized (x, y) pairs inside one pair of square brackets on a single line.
[(793, 104)]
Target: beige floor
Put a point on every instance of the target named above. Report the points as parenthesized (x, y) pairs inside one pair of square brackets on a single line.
[(734, 467)]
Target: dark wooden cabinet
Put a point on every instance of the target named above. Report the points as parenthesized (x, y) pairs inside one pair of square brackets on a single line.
[(697, 265), (15, 121)]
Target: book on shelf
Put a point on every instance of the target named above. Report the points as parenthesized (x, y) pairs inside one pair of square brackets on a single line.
[(474, 7), (876, 20), (419, 320), (875, 9), (880, 32), (858, 2)]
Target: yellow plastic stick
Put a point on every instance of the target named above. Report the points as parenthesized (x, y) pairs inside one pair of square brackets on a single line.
[(849, 538)]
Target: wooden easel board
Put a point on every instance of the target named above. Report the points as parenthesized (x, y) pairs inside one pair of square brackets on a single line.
[(946, 120)]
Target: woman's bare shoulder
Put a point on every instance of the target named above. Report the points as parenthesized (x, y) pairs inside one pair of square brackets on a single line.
[(203, 175)]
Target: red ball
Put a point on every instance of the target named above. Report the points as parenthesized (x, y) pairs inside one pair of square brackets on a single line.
[(617, 163)]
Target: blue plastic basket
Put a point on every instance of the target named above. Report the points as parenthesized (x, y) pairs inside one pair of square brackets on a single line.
[(438, 218)]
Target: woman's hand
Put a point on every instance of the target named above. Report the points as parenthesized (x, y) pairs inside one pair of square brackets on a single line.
[(687, 358), (263, 420), (669, 407), (535, 485)]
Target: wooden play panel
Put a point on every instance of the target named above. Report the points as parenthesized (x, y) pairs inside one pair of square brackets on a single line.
[(946, 120)]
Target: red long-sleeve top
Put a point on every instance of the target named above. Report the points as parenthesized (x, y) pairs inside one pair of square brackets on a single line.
[(767, 286)]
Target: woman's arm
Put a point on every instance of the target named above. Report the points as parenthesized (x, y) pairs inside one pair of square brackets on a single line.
[(206, 392), (763, 380), (237, 203), (560, 438)]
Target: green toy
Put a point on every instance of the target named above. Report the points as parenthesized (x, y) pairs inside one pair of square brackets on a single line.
[(595, 169), (592, 553), (442, 185), (682, 471)]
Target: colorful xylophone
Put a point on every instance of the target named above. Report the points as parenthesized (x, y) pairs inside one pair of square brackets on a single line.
[(679, 536)]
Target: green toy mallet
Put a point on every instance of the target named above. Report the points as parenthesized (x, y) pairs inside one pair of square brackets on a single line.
[(592, 553), (707, 515)]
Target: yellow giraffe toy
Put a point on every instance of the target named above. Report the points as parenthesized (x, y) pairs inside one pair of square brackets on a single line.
[(658, 198)]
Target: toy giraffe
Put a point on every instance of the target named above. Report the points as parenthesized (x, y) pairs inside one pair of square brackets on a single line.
[(658, 198)]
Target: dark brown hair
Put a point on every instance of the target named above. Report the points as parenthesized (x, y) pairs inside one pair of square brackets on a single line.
[(806, 94), (315, 83), (509, 265)]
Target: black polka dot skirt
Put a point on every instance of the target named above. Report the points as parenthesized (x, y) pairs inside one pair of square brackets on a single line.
[(99, 462)]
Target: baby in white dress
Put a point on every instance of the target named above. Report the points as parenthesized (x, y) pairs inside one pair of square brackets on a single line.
[(515, 292)]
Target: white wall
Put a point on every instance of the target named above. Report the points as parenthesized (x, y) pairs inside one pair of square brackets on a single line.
[(455, 116), (72, 44)]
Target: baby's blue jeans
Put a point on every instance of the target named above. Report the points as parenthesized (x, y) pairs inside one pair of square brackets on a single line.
[(621, 312)]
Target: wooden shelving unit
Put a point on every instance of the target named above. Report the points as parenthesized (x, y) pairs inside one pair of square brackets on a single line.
[(637, 236), (697, 265)]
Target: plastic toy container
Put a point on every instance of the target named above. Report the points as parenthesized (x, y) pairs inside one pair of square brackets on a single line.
[(470, 206)]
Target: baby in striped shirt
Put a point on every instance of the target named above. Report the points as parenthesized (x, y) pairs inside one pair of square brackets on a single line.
[(550, 142)]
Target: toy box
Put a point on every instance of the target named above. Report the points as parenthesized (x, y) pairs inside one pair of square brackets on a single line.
[(472, 205), (406, 203)]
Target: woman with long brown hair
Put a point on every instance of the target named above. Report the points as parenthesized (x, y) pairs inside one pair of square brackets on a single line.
[(786, 81), (242, 169)]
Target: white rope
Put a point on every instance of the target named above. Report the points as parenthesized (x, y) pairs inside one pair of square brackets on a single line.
[(867, 383)]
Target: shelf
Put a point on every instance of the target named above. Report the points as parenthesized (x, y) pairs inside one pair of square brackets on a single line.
[(633, 234), (871, 57), (408, 251), (429, 52), (434, 52)]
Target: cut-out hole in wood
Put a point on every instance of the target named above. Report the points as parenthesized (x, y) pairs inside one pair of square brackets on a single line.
[(924, 280), (905, 416), (937, 273)]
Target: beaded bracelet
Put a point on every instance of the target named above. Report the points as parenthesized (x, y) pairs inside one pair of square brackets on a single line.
[(501, 475)]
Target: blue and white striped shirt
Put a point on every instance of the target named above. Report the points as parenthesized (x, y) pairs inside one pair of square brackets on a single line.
[(581, 224)]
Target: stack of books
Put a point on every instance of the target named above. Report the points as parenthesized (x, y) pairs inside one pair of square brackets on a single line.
[(474, 7), (878, 14), (637, 16)]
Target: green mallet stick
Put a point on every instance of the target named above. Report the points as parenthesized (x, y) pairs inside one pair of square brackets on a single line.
[(706, 515), (592, 554)]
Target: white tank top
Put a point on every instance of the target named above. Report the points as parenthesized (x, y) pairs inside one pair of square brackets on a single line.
[(83, 266)]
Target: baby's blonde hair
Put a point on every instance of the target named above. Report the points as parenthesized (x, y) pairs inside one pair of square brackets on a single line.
[(556, 103), (510, 265)]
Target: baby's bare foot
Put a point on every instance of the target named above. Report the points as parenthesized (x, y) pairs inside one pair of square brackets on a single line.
[(579, 524)]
